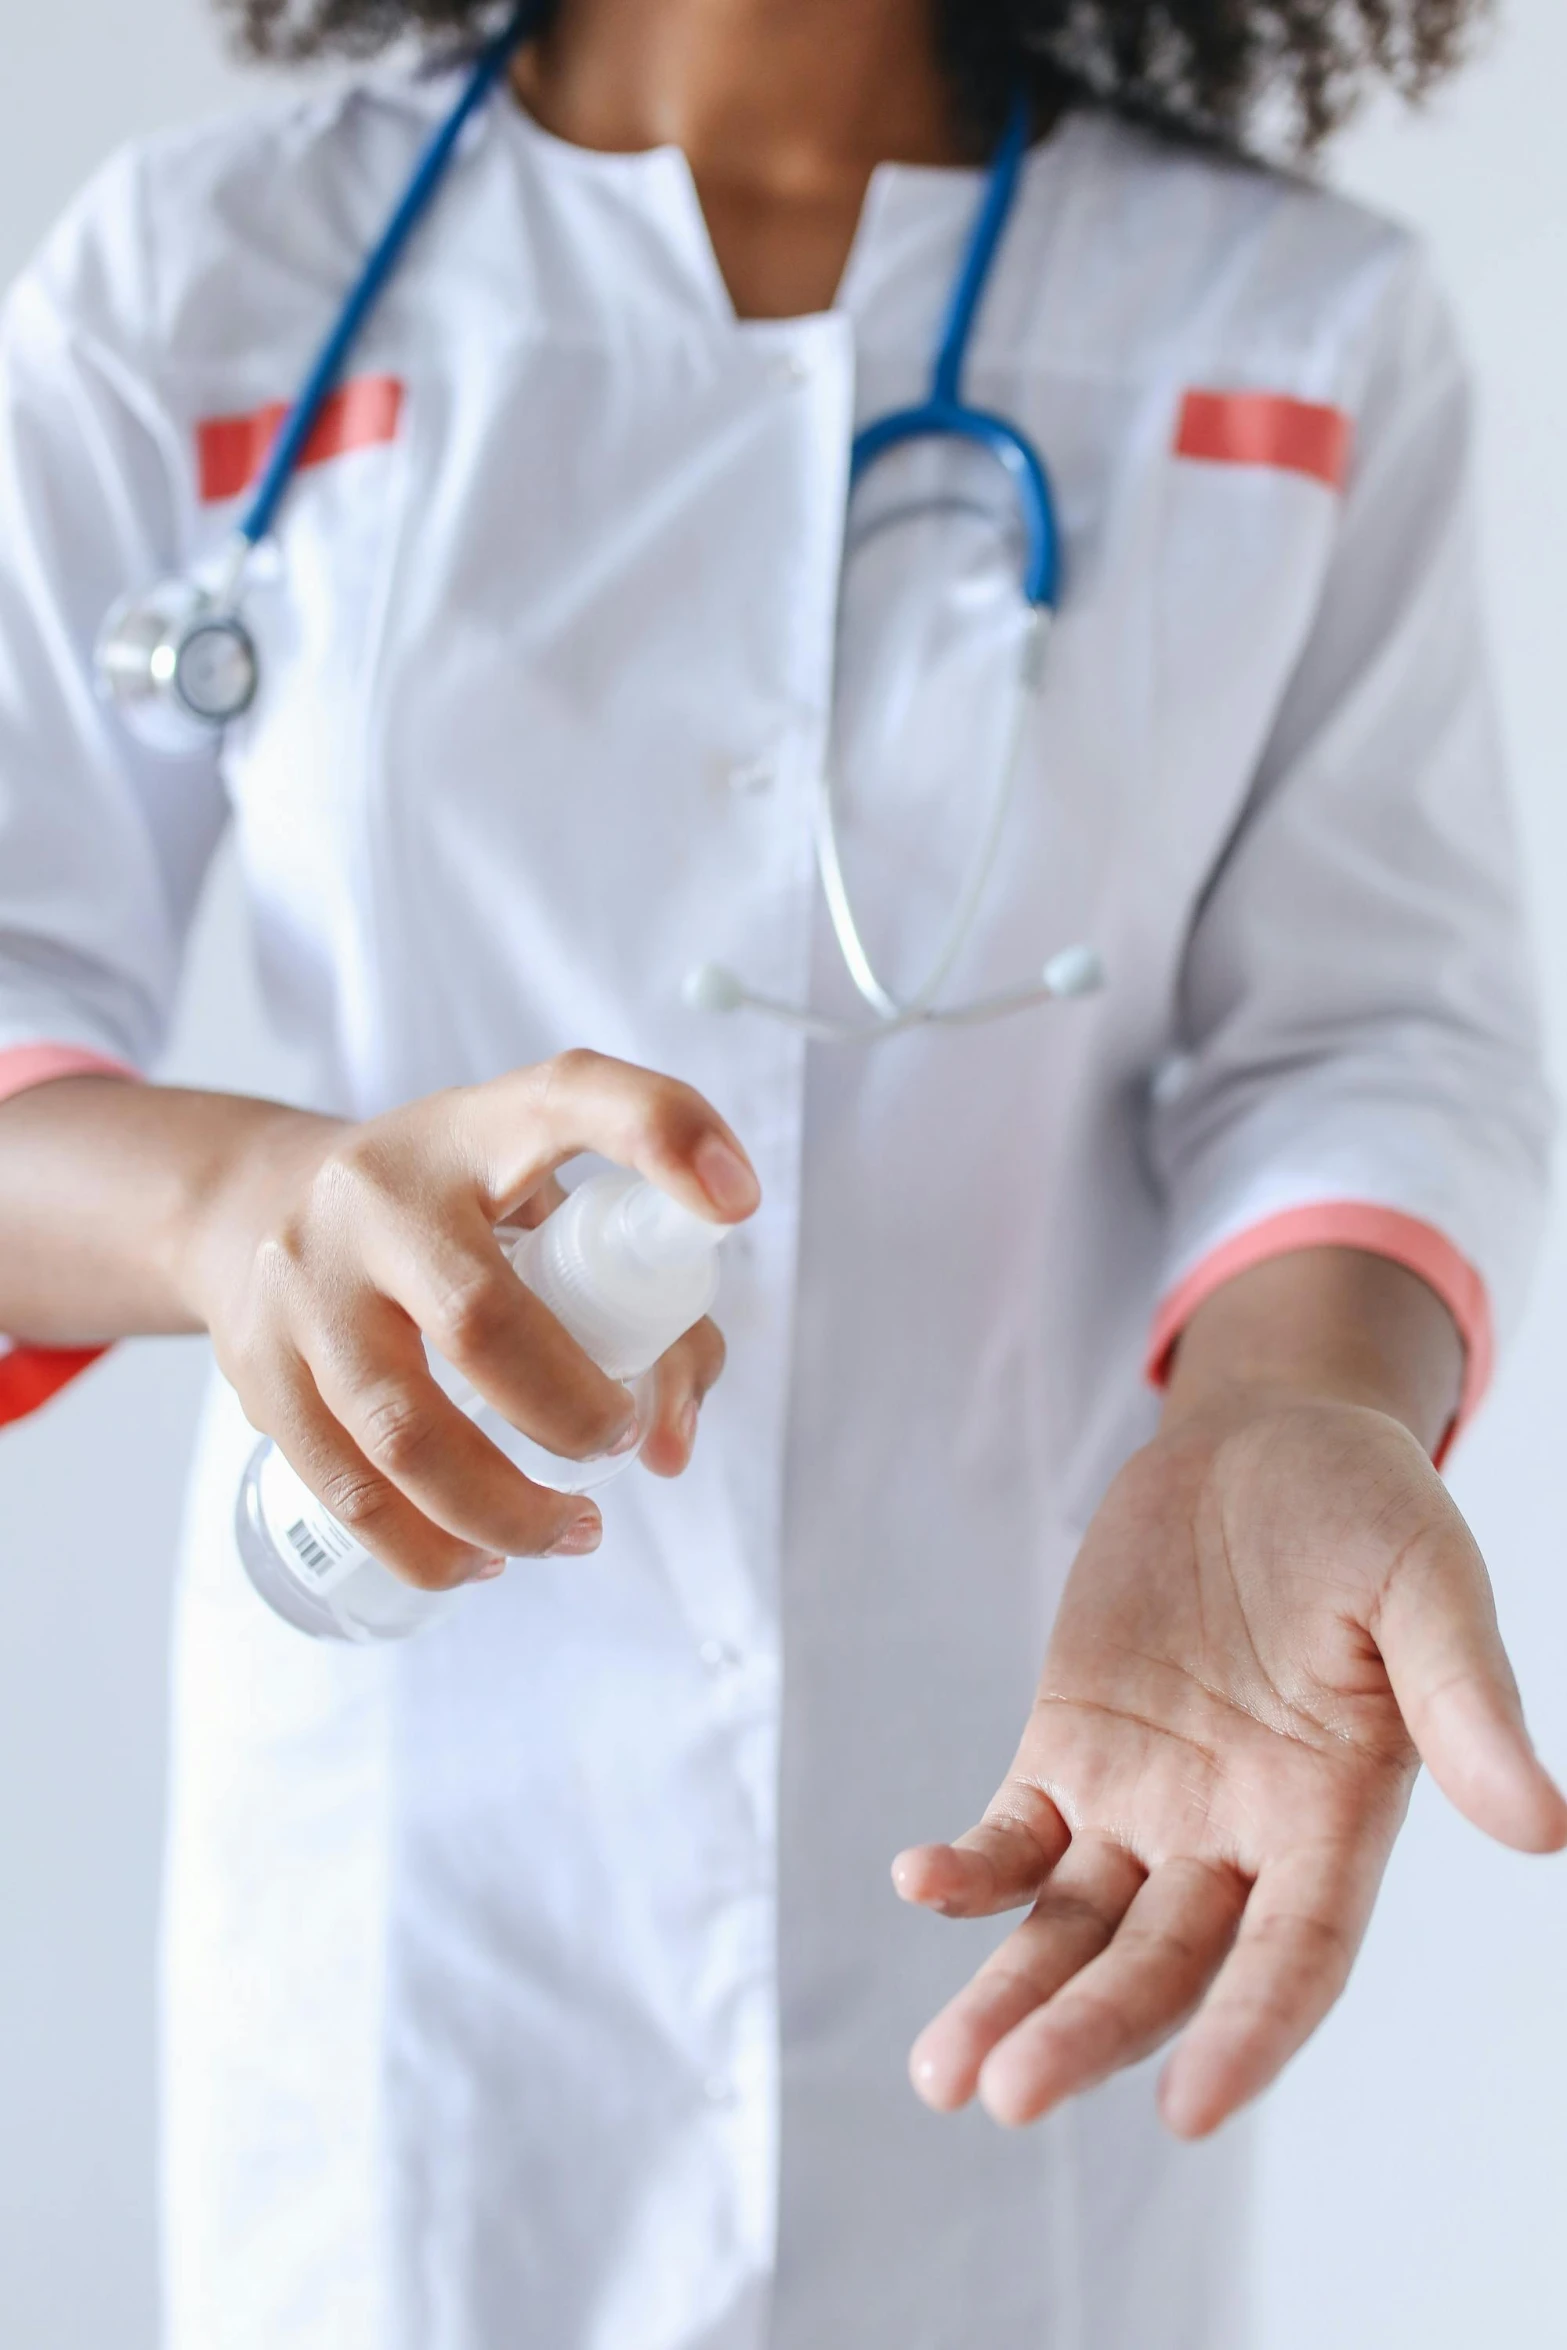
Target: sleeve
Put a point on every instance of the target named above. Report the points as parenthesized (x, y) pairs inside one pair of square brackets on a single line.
[(103, 845), (1359, 1061)]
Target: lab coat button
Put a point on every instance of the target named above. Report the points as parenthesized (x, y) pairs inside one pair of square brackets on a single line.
[(719, 2089), (720, 1656), (792, 368), (748, 778)]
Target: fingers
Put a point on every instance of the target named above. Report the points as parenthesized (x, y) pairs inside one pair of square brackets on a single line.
[(998, 1865), (542, 1201), (366, 1503), (1436, 1628), (1303, 1925), (681, 1383), (524, 1125), (371, 1375), (1112, 1961), (1123, 2002), (1109, 1964), (386, 1232), (456, 1286), (1072, 1921)]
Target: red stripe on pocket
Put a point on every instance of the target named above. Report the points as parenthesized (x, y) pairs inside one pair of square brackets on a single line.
[(231, 450), (30, 1375), (1267, 428)]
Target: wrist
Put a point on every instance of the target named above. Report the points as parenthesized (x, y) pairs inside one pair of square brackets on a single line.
[(1323, 1326), (227, 1187), (1201, 1424)]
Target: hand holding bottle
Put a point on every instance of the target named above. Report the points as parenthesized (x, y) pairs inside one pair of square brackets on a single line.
[(328, 1252)]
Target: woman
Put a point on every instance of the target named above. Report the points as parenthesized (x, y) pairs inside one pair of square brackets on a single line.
[(538, 1981)]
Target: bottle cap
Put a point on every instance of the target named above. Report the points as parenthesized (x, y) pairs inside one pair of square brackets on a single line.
[(625, 1268)]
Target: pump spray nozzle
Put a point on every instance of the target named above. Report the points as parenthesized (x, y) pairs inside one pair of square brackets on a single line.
[(624, 1267), (658, 1231)]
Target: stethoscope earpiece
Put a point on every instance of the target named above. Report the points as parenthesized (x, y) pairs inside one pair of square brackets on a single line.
[(1072, 973)]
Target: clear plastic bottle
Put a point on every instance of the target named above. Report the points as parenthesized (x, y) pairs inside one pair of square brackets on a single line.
[(627, 1270)]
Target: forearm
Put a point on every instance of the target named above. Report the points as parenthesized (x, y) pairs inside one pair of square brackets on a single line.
[(103, 1187), (1332, 1323)]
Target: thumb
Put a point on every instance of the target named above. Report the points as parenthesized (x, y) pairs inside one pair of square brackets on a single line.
[(1436, 1628)]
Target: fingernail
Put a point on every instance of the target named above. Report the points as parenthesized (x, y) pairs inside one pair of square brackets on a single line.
[(488, 1572), (626, 1443), (725, 1177), (581, 1536), (685, 1426)]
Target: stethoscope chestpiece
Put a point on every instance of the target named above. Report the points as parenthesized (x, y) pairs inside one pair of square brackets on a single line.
[(177, 663)]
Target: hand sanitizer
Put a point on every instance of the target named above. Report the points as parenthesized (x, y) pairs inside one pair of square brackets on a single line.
[(627, 1270)]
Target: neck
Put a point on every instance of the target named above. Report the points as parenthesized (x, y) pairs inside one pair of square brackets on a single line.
[(787, 98)]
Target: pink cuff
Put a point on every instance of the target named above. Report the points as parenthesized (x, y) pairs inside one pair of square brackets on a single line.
[(27, 1065), (30, 1375), (1381, 1232)]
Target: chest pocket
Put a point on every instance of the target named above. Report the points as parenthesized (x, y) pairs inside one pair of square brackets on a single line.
[(232, 450), (1251, 484), (315, 597)]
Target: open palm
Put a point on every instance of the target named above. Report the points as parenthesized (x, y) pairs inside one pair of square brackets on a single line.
[(1269, 1626)]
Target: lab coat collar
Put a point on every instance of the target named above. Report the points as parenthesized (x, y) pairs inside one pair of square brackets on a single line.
[(910, 233)]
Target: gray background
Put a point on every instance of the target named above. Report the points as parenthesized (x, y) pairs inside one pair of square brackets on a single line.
[(1414, 2187)]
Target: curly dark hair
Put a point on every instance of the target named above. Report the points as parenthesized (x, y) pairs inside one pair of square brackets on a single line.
[(1214, 70)]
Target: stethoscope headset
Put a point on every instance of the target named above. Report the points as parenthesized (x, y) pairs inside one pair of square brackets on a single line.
[(179, 663)]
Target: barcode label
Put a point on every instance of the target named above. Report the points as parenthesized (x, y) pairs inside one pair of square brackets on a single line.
[(309, 1539), (310, 1551)]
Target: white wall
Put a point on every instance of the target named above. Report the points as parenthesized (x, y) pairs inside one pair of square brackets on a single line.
[(1415, 2179), (89, 1491), (1415, 2189)]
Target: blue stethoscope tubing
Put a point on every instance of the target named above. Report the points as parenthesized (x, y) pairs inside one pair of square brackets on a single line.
[(182, 656), (944, 413), (423, 185)]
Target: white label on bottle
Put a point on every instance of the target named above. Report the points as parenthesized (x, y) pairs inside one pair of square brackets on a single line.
[(309, 1540)]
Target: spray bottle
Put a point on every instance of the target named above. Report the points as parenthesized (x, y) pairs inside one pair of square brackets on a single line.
[(627, 1271)]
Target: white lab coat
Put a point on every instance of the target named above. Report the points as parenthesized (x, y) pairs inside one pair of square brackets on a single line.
[(540, 1983)]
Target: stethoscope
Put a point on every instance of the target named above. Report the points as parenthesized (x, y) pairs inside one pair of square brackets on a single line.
[(178, 662)]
